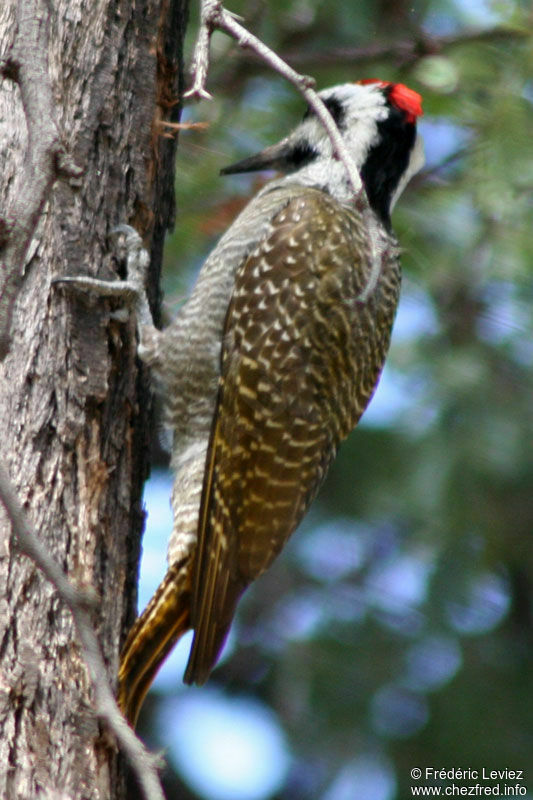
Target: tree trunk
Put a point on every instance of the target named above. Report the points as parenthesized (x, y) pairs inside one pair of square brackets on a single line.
[(74, 408)]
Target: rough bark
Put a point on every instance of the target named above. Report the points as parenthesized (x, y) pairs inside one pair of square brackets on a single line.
[(74, 407)]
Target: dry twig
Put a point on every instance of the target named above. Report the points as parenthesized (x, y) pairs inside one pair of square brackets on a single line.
[(171, 129), (79, 604), (403, 51), (215, 17)]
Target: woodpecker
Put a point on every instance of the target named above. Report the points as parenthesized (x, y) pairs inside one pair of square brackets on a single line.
[(270, 364)]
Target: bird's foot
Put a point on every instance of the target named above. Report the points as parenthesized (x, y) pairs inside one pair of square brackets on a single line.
[(132, 290)]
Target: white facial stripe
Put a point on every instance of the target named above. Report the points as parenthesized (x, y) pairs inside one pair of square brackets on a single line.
[(364, 107), (416, 162)]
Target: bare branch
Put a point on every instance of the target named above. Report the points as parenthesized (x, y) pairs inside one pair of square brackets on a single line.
[(200, 62), (214, 16), (402, 51), (46, 158), (79, 603), (170, 129)]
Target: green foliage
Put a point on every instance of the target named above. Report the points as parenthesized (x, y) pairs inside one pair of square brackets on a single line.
[(438, 494)]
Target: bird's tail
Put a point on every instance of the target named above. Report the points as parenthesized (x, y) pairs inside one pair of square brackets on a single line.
[(152, 637)]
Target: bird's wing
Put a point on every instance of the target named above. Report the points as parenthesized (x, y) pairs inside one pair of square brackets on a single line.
[(296, 375)]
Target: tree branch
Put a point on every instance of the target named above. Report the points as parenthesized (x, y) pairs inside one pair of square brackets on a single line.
[(215, 17), (79, 604), (46, 157), (406, 51)]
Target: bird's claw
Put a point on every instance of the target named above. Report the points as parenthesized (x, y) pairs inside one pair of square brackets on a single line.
[(83, 283), (132, 290)]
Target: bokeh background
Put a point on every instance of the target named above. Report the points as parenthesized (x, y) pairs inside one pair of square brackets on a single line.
[(395, 631)]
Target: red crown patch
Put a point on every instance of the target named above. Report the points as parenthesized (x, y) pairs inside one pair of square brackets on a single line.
[(402, 97)]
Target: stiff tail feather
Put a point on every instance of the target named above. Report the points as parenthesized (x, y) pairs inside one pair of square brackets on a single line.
[(152, 637)]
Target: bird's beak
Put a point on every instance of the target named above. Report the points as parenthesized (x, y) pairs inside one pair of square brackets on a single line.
[(274, 157)]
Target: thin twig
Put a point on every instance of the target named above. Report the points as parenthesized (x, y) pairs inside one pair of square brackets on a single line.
[(168, 130), (214, 16), (45, 160), (403, 51), (79, 603), (184, 126)]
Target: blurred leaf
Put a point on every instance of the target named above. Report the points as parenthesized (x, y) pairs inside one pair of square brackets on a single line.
[(441, 491)]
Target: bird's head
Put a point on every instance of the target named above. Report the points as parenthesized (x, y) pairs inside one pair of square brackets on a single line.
[(377, 121)]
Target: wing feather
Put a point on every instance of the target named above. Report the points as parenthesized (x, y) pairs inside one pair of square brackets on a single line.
[(300, 360)]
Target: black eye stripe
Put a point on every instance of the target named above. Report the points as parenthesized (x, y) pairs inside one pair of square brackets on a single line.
[(301, 154), (335, 108)]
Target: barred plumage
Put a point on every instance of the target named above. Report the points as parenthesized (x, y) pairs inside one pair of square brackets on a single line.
[(268, 367)]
